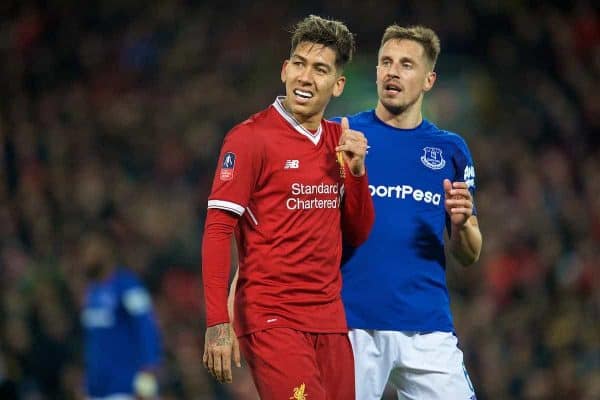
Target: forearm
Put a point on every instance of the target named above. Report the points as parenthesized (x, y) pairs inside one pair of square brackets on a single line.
[(145, 383), (358, 213), (231, 297), (466, 242), (216, 259)]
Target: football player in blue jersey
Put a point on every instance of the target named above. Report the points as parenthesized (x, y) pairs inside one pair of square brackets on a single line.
[(122, 347), (422, 181)]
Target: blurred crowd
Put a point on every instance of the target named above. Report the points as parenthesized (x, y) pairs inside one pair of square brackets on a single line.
[(112, 114)]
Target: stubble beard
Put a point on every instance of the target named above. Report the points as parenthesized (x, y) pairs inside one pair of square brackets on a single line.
[(398, 109)]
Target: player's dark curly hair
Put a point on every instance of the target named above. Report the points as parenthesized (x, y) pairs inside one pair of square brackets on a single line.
[(420, 34), (330, 33)]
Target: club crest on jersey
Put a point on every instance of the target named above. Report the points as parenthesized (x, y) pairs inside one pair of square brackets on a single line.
[(299, 393), (227, 167), (432, 158)]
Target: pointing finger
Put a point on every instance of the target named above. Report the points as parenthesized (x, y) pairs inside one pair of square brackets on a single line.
[(345, 124)]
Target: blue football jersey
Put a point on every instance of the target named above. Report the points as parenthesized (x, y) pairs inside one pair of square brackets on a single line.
[(121, 334), (397, 279)]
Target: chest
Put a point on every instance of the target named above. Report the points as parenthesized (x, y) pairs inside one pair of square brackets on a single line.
[(296, 160), (101, 308), (404, 158)]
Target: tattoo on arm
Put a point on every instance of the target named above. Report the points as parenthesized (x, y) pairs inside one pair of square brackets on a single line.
[(219, 335)]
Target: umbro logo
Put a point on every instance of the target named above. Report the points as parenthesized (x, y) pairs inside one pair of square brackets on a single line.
[(291, 164)]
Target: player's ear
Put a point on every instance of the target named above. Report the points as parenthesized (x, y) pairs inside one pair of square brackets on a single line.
[(283, 70), (429, 81), (338, 87)]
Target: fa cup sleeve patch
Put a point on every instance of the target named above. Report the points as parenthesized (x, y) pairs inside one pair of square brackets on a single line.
[(227, 167)]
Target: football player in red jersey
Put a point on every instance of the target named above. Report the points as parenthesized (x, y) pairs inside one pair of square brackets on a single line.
[(281, 191)]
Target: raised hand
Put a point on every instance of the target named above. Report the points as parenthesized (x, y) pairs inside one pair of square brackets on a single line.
[(353, 144), (458, 202)]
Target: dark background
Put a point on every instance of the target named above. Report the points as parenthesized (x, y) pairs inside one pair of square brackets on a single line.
[(112, 113)]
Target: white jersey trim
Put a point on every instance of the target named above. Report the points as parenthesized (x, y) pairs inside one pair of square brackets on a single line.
[(252, 217), (313, 137), (226, 205)]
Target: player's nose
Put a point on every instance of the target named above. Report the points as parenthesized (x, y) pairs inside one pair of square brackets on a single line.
[(305, 75), (394, 70)]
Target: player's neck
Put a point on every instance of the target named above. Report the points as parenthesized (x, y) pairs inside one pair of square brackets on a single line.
[(407, 119), (310, 122)]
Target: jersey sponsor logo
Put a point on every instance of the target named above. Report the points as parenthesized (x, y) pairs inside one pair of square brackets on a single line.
[(432, 158), (299, 393), (305, 196), (291, 164), (406, 191), (228, 166), (469, 176)]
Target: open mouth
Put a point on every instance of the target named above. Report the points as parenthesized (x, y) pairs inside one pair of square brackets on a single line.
[(303, 94), (390, 87)]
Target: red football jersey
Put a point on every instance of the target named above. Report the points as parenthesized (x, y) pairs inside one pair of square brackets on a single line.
[(285, 184)]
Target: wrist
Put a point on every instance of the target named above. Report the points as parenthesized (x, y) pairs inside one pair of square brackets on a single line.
[(460, 227), (358, 171), (145, 385)]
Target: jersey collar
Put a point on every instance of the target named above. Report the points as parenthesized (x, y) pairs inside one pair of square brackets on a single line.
[(313, 137)]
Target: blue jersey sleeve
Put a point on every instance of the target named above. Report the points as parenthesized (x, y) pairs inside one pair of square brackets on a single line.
[(465, 169), (137, 303)]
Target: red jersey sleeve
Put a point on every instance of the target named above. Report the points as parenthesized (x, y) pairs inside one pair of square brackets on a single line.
[(358, 213), (234, 182), (216, 258), (237, 171)]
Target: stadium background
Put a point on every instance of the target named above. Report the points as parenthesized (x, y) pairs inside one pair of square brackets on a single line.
[(112, 112)]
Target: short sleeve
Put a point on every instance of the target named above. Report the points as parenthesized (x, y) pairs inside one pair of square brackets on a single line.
[(134, 297), (237, 171), (465, 169)]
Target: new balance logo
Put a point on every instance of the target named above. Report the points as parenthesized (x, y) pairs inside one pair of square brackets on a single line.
[(291, 164)]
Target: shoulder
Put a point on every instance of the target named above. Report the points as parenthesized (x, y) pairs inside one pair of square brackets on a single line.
[(249, 132), (134, 295), (361, 118), (126, 278), (246, 127), (447, 136), (332, 125)]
